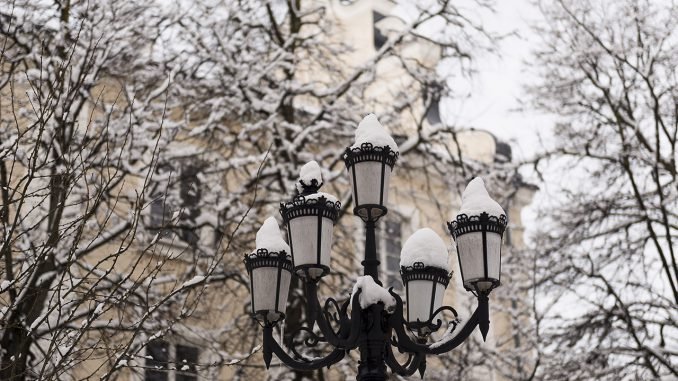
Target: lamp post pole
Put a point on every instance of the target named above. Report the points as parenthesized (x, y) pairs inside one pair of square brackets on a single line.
[(371, 262), (372, 344)]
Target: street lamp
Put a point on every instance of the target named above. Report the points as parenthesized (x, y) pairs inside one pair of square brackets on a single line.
[(376, 323)]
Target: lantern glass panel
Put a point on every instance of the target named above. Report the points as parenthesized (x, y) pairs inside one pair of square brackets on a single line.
[(419, 299), (471, 261), (368, 182), (264, 283), (304, 238)]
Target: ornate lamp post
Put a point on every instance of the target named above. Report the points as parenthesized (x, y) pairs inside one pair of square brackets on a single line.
[(376, 323)]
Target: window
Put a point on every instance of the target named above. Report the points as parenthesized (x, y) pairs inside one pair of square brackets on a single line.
[(187, 357), (379, 38), (433, 113), (157, 359), (170, 362), (389, 243), (502, 152), (163, 209)]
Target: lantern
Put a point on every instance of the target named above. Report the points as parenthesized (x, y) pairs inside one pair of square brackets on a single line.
[(369, 163), (424, 291), (423, 268), (310, 219), (270, 274), (477, 231)]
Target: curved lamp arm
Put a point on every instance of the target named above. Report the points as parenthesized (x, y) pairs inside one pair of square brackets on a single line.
[(342, 341), (415, 361), (349, 330), (396, 321), (271, 346)]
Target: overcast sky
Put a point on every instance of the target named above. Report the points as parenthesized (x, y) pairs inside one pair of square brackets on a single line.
[(498, 88)]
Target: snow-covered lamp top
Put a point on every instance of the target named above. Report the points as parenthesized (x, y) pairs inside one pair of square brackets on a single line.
[(309, 182), (475, 200), (425, 246), (372, 293), (310, 178), (270, 238), (372, 132)]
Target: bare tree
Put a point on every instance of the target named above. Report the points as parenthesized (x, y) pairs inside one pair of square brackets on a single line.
[(81, 280), (606, 258), (133, 128)]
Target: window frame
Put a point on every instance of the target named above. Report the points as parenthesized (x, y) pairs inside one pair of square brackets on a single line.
[(160, 220), (173, 371), (384, 245)]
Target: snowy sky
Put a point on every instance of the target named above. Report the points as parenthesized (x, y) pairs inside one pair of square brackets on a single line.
[(496, 103)]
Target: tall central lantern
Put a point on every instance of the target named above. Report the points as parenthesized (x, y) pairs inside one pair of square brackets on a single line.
[(369, 162)]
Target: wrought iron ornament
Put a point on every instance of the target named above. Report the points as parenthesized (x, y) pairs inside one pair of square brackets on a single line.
[(375, 330)]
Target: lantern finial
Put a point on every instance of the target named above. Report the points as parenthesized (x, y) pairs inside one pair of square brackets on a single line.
[(310, 178)]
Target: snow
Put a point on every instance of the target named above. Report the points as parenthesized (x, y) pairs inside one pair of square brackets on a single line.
[(309, 172), (193, 281), (427, 247), (269, 237), (5, 285), (371, 131), (372, 293), (316, 196), (449, 334), (476, 200)]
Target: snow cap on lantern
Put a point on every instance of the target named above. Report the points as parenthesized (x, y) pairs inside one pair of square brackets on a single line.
[(424, 246), (270, 271), (371, 293), (475, 200), (424, 270), (477, 230), (270, 238), (310, 219), (372, 132), (370, 161)]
